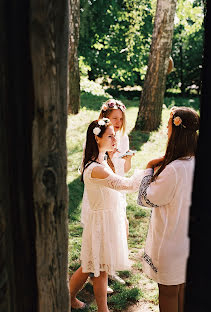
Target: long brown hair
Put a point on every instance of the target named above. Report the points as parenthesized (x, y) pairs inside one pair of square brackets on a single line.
[(109, 106), (91, 148), (183, 140)]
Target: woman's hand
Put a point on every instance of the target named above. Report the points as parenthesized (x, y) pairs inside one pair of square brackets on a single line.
[(128, 156), (111, 154), (127, 159), (155, 162)]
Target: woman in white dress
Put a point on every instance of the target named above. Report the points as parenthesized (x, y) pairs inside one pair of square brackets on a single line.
[(168, 194), (115, 111), (104, 241)]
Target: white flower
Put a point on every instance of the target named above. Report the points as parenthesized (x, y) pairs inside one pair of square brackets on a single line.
[(106, 120), (101, 122), (96, 130), (104, 107)]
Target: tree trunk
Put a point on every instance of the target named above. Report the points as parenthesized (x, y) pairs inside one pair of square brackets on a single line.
[(18, 281), (33, 191), (151, 101), (74, 74), (49, 46)]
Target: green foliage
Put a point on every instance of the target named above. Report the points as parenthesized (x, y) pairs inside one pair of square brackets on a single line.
[(115, 38), (187, 47), (117, 41)]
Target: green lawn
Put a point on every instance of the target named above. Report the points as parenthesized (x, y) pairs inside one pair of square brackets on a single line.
[(148, 146)]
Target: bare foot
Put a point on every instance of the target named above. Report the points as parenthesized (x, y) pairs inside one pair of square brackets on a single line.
[(77, 304)]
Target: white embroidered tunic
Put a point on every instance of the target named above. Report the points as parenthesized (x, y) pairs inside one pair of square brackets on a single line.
[(167, 243), (104, 241)]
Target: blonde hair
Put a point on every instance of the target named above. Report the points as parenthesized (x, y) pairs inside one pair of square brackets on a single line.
[(109, 106)]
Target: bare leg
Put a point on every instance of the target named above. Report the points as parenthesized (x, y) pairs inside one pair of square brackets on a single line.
[(181, 297), (100, 290), (76, 282), (168, 298)]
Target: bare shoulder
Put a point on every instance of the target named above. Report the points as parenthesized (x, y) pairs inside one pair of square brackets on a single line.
[(99, 172)]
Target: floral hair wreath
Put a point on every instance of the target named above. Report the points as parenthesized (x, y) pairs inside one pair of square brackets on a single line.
[(101, 122), (177, 121), (113, 104)]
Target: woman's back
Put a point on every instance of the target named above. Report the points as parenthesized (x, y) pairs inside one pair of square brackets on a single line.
[(167, 242)]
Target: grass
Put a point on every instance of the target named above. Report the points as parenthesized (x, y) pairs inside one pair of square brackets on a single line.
[(148, 146)]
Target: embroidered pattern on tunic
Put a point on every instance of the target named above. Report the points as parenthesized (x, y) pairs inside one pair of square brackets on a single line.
[(149, 261), (143, 192)]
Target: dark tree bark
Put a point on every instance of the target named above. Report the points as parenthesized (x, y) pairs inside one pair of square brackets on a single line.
[(33, 191), (18, 282), (199, 269), (151, 101), (74, 74), (49, 46)]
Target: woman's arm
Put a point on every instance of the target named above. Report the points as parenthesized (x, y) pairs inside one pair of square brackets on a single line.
[(101, 175), (159, 192)]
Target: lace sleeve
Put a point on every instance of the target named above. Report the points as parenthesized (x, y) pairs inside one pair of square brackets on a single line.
[(119, 183)]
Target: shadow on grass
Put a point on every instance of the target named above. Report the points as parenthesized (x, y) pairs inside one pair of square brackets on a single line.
[(191, 101), (137, 139), (76, 189), (94, 102), (131, 99), (91, 101)]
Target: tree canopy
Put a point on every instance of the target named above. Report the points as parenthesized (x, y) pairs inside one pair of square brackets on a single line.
[(115, 38)]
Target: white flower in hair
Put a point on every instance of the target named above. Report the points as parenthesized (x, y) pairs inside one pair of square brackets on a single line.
[(101, 122), (107, 120), (96, 130), (104, 107)]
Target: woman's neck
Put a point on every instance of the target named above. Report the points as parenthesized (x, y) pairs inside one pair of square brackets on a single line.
[(101, 157)]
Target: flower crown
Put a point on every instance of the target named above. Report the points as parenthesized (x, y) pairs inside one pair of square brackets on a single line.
[(177, 121), (114, 105), (101, 122)]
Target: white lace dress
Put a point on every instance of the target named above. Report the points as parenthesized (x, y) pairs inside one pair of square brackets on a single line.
[(122, 146), (104, 241)]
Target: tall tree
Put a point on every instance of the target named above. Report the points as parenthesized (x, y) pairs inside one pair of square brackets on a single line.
[(74, 73), (151, 101), (33, 191)]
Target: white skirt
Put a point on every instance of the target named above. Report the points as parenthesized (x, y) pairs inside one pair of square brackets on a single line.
[(104, 242)]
